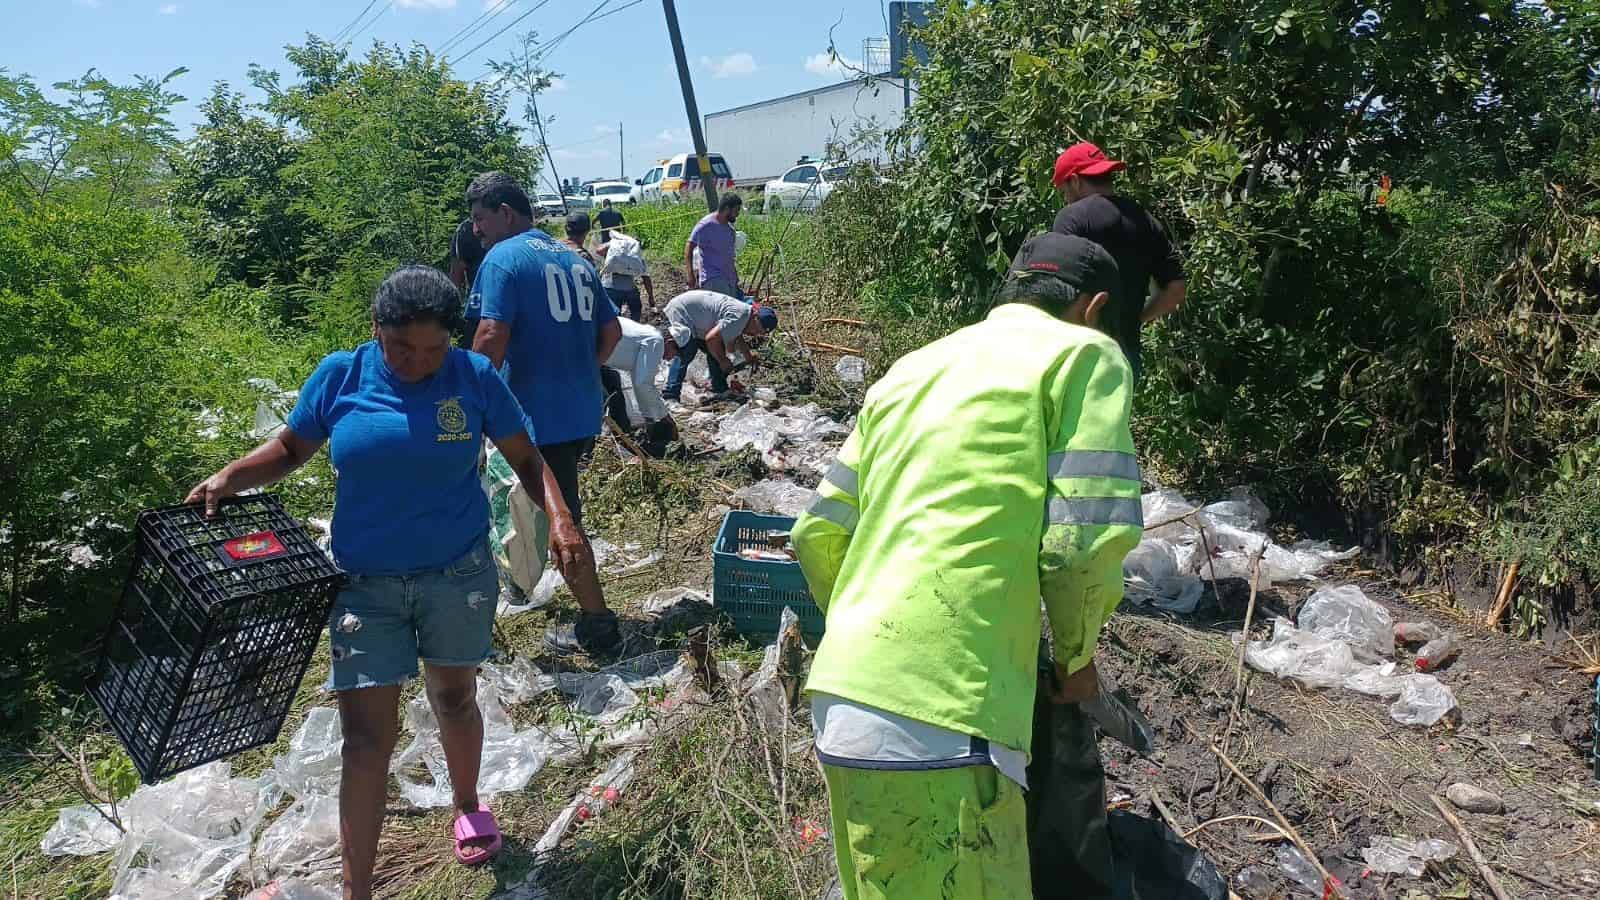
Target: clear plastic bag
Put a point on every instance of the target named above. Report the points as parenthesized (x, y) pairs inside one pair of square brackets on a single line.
[(190, 834), (303, 843), (312, 763), (1346, 613), (1306, 657), (1400, 856), (776, 495), (1423, 701), (851, 369), (80, 831)]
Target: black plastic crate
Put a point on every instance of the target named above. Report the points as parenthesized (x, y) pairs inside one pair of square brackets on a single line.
[(214, 632), (754, 592)]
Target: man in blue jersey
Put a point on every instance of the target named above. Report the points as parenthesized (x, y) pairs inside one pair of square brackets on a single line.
[(546, 316)]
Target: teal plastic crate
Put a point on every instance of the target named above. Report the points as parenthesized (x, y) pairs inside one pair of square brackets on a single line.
[(754, 592)]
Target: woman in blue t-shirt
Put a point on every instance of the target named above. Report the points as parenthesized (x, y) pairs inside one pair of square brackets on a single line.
[(404, 416)]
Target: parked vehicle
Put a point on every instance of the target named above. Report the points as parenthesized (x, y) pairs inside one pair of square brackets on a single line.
[(647, 188), (601, 191), (578, 201), (805, 185), (548, 205), (679, 178)]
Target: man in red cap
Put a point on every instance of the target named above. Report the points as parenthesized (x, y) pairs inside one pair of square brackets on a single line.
[(1134, 238)]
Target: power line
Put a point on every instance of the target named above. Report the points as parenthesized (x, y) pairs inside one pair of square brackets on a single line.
[(513, 24), (362, 30), (352, 23), (478, 24)]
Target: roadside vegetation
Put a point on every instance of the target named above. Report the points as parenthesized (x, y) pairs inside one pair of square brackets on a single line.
[(1390, 218)]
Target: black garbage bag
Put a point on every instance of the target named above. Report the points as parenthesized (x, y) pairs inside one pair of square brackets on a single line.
[(1153, 863), (1079, 852)]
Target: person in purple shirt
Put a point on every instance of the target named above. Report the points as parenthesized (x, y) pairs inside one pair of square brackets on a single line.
[(712, 267)]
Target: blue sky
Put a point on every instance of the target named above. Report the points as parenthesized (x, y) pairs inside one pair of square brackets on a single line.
[(617, 69)]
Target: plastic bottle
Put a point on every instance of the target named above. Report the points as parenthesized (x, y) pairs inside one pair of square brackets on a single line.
[(1437, 653), (1416, 632)]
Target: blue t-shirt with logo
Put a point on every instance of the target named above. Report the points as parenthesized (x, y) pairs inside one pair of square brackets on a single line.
[(407, 497), (552, 299)]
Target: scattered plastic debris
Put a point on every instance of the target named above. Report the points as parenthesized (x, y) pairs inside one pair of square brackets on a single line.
[(1346, 613), (664, 602), (1230, 530), (775, 495), (1319, 661), (1399, 856), (1416, 632), (272, 409), (851, 369), (1423, 701), (790, 438), (311, 765), (1299, 869), (1152, 576), (80, 831), (302, 844), (190, 834), (589, 803), (1437, 653)]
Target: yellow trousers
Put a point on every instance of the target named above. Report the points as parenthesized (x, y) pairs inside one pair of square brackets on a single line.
[(952, 834)]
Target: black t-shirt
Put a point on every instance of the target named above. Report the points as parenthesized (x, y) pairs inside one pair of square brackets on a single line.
[(608, 218), (1142, 250)]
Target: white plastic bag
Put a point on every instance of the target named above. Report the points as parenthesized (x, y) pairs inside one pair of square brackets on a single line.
[(851, 369), (80, 831), (1423, 701), (1306, 657), (1344, 612), (624, 256)]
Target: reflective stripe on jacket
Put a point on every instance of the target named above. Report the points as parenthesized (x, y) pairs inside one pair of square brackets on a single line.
[(986, 470)]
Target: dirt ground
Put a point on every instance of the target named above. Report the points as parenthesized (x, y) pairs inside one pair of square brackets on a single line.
[(1342, 772)]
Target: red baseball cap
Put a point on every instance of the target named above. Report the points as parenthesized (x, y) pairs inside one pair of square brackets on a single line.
[(1084, 159)]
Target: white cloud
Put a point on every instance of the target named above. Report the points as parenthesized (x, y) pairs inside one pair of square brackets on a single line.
[(828, 66), (730, 66), (170, 9), (673, 136), (425, 4), (92, 4), (493, 4), (557, 86), (605, 129)]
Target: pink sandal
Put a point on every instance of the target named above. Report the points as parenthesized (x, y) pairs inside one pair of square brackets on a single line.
[(472, 831)]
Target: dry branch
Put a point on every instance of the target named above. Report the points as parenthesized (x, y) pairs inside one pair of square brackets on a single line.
[(1489, 877), (1503, 599)]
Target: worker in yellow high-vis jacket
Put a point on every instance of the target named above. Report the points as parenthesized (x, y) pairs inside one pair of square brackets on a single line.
[(986, 470)]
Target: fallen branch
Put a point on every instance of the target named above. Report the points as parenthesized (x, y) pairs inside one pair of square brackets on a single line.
[(1535, 879), (1489, 877), (1257, 819), (842, 322), (1331, 886), (1503, 599), (1249, 616), (832, 348)]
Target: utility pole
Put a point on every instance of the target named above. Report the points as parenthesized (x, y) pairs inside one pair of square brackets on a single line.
[(689, 105), (622, 161)]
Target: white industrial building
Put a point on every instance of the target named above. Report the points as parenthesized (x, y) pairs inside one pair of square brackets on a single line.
[(763, 140)]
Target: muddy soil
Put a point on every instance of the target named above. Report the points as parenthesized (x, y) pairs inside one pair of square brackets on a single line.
[(1343, 773)]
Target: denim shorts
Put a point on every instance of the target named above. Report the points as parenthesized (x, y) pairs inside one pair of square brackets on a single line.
[(381, 624)]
